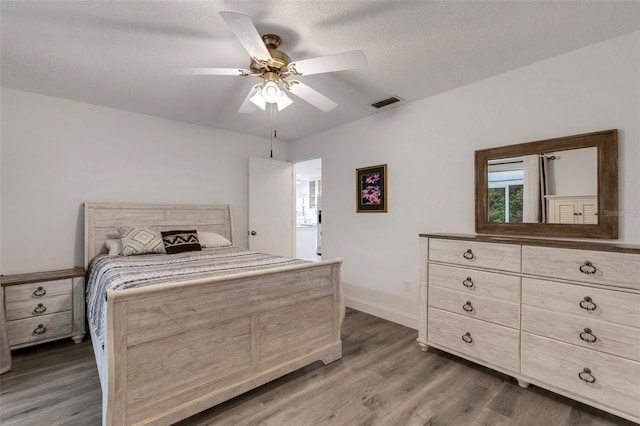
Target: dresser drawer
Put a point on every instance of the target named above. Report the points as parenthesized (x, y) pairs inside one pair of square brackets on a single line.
[(504, 257), (44, 327), (481, 340), (595, 267), (471, 281), (33, 308), (559, 364), (474, 306), (585, 302), (590, 333), (38, 290)]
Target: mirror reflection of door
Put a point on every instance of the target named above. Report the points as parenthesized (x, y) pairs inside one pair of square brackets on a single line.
[(550, 187)]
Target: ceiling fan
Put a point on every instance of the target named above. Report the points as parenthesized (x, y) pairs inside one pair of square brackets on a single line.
[(276, 69)]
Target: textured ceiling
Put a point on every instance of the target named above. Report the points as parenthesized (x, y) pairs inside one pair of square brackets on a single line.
[(120, 53)]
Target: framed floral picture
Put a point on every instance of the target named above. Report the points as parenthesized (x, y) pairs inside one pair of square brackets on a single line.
[(371, 189)]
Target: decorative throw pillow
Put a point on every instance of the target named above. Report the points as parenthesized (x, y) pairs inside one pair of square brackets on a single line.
[(180, 241), (211, 239), (141, 240), (114, 245)]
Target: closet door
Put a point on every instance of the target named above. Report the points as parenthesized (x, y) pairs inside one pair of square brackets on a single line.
[(271, 206)]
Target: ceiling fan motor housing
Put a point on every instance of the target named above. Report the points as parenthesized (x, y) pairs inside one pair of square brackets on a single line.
[(279, 60)]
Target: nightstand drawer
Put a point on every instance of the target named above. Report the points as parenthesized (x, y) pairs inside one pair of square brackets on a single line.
[(39, 328), (38, 290), (484, 341), (35, 308), (504, 257)]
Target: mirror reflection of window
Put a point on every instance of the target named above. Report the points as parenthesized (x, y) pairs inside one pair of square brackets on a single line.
[(506, 189)]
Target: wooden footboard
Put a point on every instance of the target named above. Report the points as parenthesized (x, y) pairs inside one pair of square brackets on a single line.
[(177, 349)]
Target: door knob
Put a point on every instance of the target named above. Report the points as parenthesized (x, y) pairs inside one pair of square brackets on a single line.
[(253, 232)]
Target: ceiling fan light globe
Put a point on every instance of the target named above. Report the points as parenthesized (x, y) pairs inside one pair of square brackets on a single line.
[(271, 92), (284, 101), (258, 100)]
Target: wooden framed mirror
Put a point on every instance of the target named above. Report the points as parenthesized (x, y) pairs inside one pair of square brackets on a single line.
[(561, 187)]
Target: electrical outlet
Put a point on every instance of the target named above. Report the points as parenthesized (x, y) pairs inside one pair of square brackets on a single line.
[(407, 286)]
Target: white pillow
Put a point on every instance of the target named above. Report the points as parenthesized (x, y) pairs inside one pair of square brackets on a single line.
[(211, 239), (114, 246)]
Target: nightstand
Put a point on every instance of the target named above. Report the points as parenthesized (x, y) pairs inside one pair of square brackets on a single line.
[(43, 306)]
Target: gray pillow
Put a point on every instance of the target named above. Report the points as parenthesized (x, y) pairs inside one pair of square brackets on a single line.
[(140, 240)]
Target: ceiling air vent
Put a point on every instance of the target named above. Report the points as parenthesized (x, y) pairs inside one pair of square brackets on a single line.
[(386, 102)]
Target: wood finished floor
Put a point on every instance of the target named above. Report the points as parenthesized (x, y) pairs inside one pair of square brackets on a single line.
[(382, 379)]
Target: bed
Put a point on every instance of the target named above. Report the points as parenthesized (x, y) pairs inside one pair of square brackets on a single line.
[(171, 350)]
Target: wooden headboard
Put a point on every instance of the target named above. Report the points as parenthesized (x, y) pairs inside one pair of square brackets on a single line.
[(102, 219)]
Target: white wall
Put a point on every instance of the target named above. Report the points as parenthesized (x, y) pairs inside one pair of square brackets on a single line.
[(573, 172), (57, 154), (429, 148)]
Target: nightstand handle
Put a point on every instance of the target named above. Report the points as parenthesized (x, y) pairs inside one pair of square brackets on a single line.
[(40, 309), (466, 337), (468, 307), (468, 283), (39, 292), (40, 329)]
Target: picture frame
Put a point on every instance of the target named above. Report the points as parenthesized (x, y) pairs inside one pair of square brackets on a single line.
[(371, 189)]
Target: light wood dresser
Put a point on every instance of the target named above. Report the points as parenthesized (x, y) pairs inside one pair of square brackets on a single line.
[(562, 315), (44, 306)]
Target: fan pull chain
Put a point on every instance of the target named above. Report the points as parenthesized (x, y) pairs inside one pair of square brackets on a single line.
[(273, 134)]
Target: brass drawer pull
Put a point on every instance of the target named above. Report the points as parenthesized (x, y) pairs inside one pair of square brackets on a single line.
[(588, 336), (468, 307), (468, 283), (588, 268), (40, 309), (468, 255), (39, 292), (587, 304), (466, 337), (40, 329), (586, 376)]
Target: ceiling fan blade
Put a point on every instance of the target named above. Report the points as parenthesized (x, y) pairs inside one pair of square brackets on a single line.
[(331, 63), (247, 106), (211, 71), (246, 32), (312, 96)]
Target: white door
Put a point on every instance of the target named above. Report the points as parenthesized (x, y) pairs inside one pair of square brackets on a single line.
[(271, 206)]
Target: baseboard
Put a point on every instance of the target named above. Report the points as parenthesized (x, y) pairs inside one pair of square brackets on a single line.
[(383, 312)]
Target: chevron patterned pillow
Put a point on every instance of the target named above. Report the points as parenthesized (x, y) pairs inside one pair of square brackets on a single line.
[(140, 240), (180, 241)]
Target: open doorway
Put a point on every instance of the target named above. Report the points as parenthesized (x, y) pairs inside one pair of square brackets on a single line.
[(309, 209)]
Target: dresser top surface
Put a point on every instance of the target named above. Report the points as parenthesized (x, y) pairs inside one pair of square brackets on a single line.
[(540, 242)]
